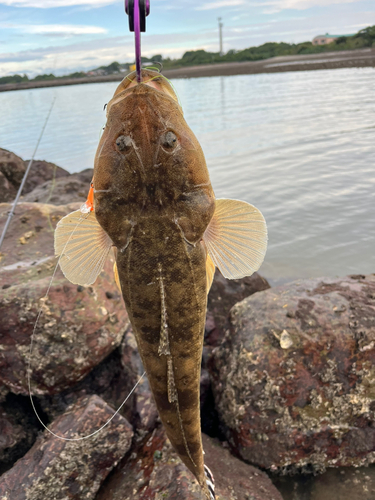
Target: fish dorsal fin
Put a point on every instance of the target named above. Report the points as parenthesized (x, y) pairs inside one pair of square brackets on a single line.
[(210, 271), (236, 238), (82, 245)]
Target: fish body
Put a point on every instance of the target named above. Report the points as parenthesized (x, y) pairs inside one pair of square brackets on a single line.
[(154, 202), (166, 202)]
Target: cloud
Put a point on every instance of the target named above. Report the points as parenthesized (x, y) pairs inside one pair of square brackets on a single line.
[(86, 53), (55, 29), (47, 4), (220, 4), (96, 52), (274, 6)]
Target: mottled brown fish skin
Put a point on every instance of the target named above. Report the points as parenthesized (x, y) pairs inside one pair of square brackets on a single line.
[(155, 202)]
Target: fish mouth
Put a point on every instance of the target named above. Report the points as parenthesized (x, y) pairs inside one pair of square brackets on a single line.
[(152, 81)]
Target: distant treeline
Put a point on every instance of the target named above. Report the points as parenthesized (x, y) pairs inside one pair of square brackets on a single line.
[(25, 78), (364, 38)]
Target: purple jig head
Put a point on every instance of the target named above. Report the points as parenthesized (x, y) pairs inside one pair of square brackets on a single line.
[(137, 11)]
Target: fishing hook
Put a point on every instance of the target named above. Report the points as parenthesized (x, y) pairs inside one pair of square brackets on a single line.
[(137, 11)]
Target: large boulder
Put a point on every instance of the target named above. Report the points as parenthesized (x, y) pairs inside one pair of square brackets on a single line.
[(78, 326), (154, 471), (67, 189), (223, 295), (19, 428), (342, 483), (13, 168), (339, 484), (55, 469), (113, 380), (294, 381)]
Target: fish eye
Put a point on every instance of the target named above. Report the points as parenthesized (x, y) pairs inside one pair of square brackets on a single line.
[(169, 140), (123, 142)]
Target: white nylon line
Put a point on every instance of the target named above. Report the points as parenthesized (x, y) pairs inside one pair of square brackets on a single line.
[(30, 353)]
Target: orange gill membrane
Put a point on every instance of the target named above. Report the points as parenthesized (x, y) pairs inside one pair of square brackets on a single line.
[(88, 206)]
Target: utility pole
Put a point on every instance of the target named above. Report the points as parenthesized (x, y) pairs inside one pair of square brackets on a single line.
[(220, 35)]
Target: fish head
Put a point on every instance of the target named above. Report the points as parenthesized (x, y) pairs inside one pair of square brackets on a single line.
[(149, 163)]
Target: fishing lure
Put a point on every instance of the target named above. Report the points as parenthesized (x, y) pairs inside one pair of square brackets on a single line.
[(152, 201)]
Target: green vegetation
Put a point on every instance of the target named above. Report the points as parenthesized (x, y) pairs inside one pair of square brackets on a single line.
[(14, 79), (50, 76), (44, 77), (77, 74), (111, 68), (364, 38)]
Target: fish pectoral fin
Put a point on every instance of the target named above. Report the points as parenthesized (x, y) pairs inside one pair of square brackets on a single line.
[(236, 238), (210, 271), (82, 245)]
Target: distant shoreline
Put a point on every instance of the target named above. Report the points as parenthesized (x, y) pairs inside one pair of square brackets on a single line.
[(362, 58)]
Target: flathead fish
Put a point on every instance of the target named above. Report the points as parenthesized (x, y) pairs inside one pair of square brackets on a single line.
[(152, 201)]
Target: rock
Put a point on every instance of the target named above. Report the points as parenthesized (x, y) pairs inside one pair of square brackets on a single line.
[(107, 380), (154, 471), (113, 380), (79, 326), (222, 297), (29, 239), (343, 483), (69, 189), (224, 294), (354, 484), (12, 170), (19, 427), (234, 479), (294, 381), (40, 172), (59, 470)]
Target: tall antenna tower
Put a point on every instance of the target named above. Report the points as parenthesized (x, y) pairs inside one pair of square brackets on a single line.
[(220, 35)]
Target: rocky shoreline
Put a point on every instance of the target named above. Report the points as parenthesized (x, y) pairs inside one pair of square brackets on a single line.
[(361, 58), (287, 385)]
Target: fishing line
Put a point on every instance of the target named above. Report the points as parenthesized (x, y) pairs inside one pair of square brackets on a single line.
[(11, 213), (43, 300)]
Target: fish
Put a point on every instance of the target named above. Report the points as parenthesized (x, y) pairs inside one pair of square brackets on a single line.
[(151, 200)]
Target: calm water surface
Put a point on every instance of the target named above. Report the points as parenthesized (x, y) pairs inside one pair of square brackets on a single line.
[(299, 146)]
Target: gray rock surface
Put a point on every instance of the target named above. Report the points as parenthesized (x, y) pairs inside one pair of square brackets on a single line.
[(343, 483), (69, 189), (79, 326), (58, 470), (155, 472), (294, 381), (223, 295), (18, 430), (12, 170)]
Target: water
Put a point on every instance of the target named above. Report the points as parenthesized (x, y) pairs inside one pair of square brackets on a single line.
[(299, 146)]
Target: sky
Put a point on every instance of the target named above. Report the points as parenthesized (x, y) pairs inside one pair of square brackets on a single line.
[(63, 36)]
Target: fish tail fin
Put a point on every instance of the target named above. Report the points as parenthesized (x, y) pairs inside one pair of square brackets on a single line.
[(210, 482)]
